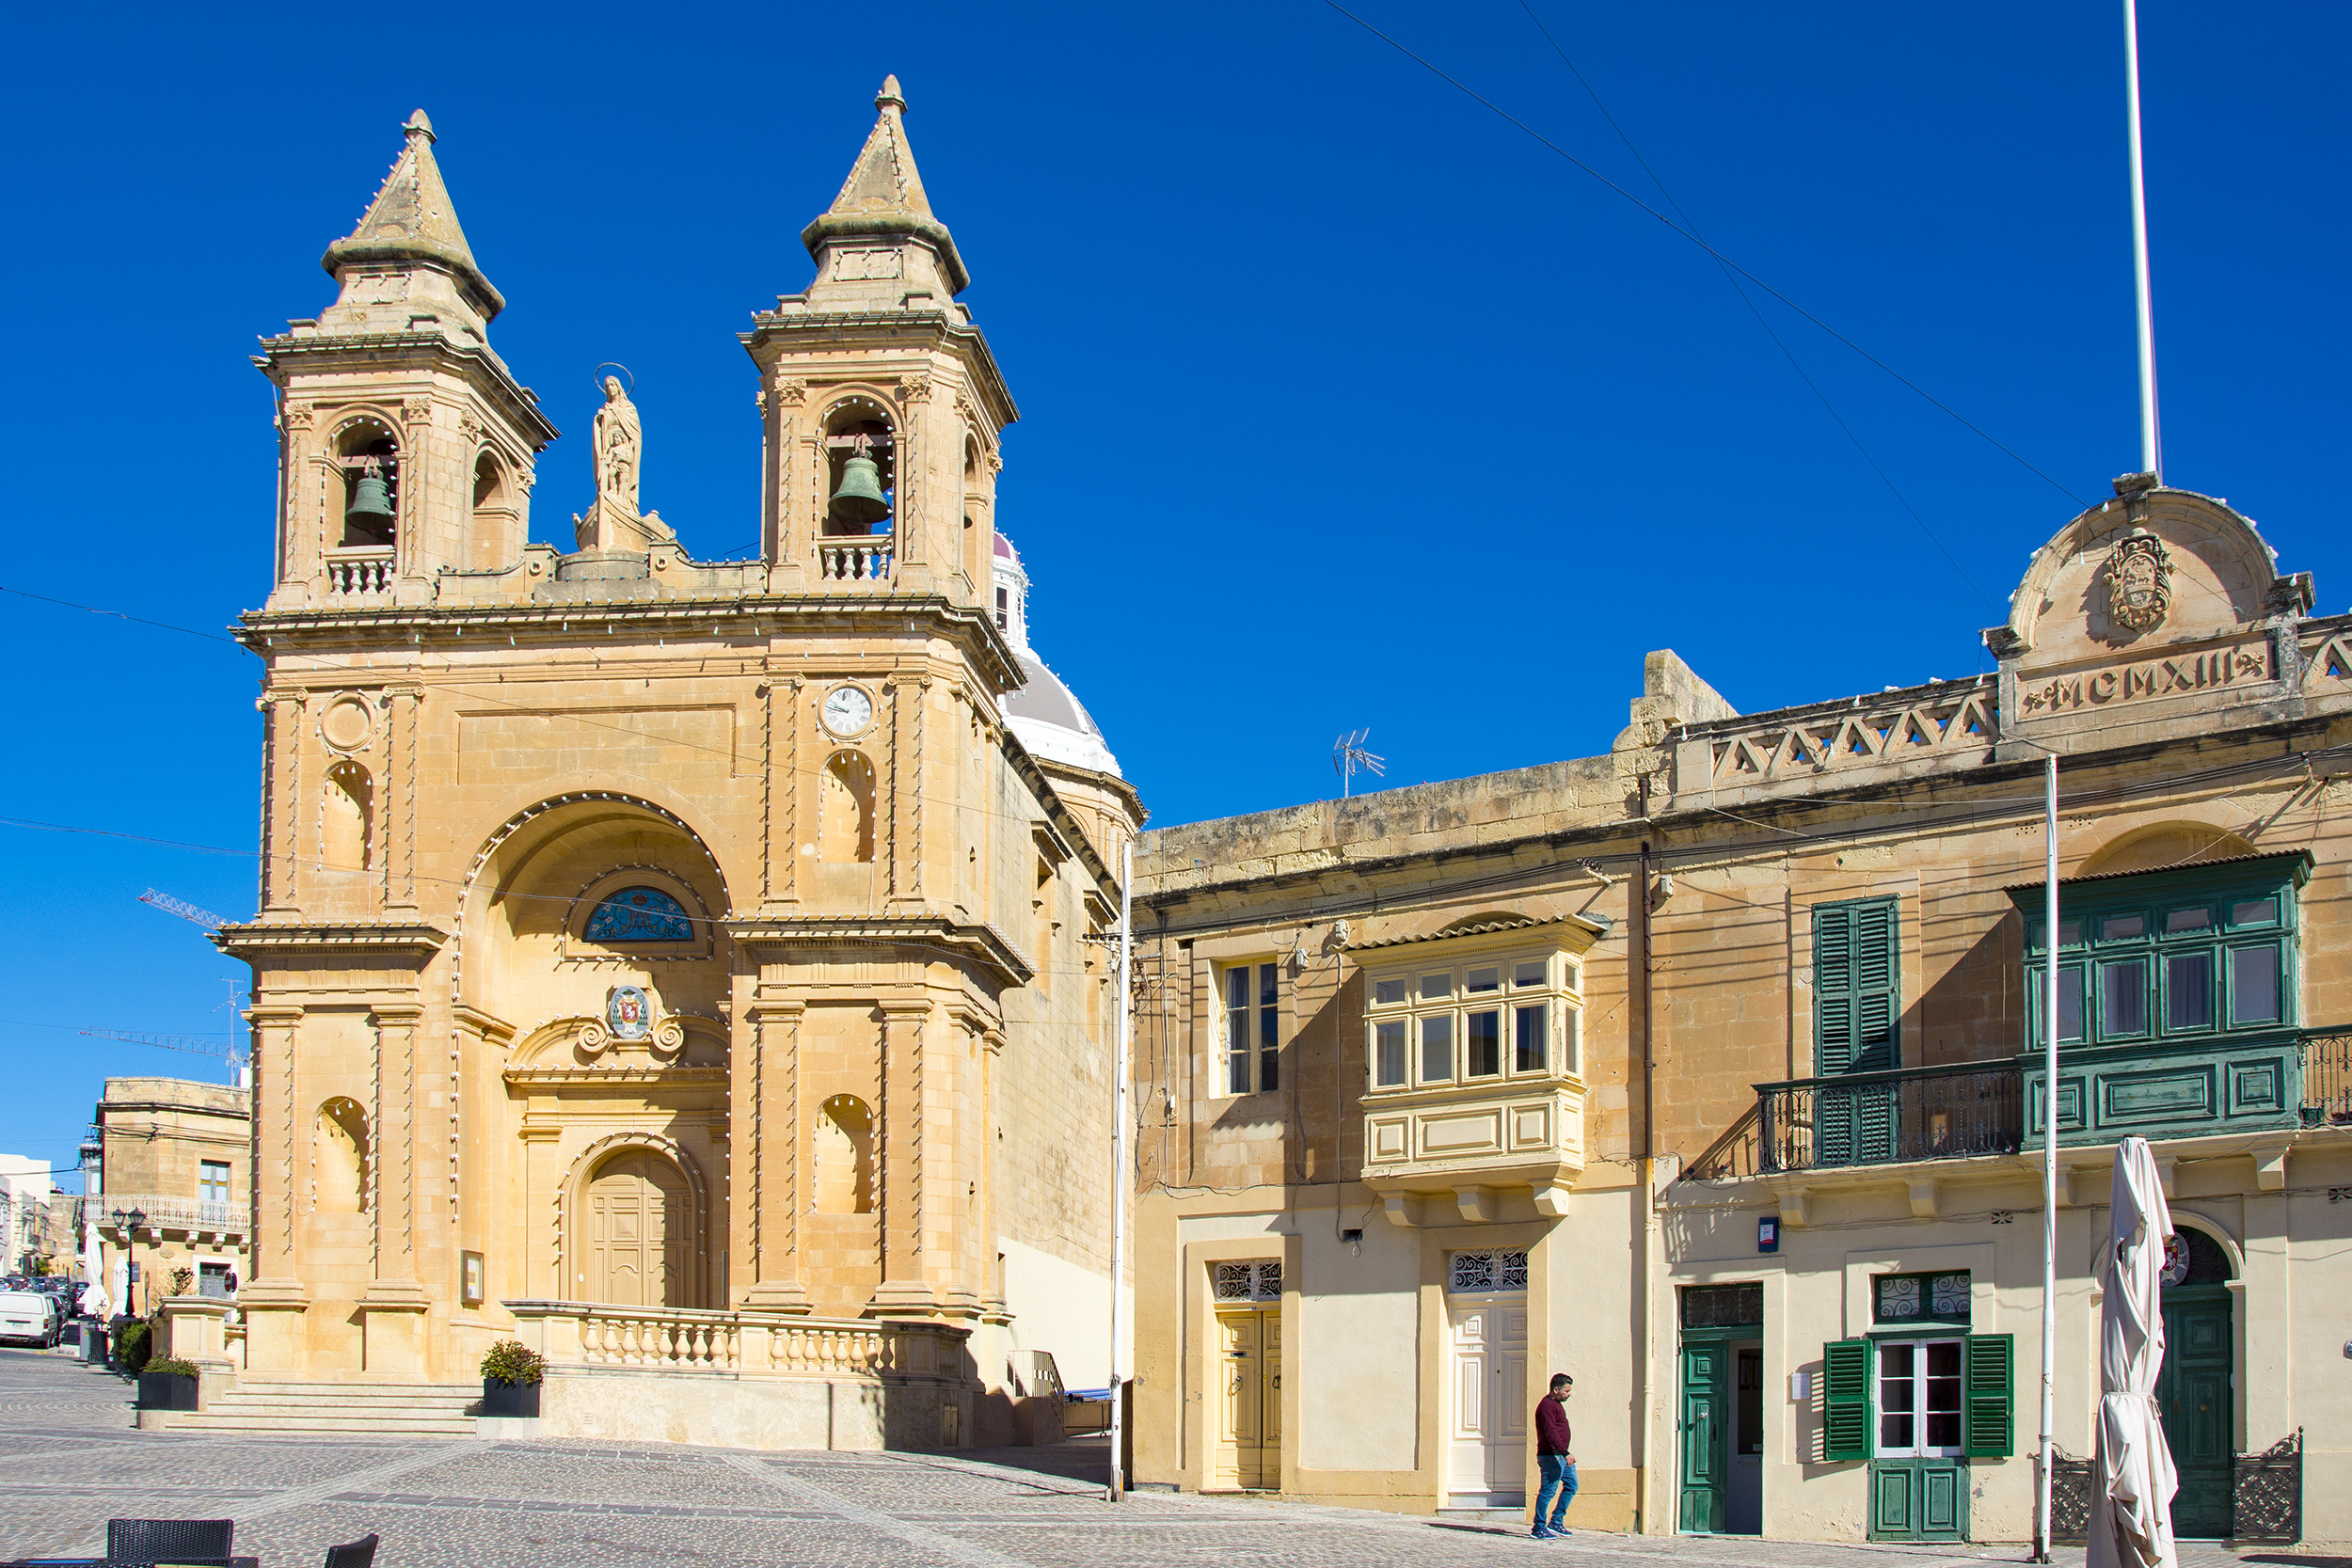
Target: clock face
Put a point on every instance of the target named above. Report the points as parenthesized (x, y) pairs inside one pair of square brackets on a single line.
[(846, 710)]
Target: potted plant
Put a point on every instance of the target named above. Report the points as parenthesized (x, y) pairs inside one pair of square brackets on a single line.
[(167, 1383), (511, 1372)]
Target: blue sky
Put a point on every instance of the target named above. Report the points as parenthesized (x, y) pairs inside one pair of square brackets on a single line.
[(1345, 403)]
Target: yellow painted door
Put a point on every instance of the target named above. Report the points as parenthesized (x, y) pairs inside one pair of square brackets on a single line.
[(637, 1234), (1249, 1423)]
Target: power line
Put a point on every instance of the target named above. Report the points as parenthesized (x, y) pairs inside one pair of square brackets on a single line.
[(1490, 105), (1786, 352)]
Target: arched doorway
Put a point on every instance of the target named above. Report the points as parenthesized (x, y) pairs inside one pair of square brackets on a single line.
[(637, 1218), (2195, 1390)]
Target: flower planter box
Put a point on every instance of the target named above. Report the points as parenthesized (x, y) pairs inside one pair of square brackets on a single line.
[(166, 1391), (500, 1398)]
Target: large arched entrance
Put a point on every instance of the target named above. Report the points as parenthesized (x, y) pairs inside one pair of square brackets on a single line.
[(637, 1219)]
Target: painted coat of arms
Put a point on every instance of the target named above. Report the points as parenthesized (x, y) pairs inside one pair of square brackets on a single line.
[(627, 1013), (2139, 581)]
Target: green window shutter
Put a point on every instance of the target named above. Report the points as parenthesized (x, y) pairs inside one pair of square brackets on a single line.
[(1845, 1399), (1991, 1396), (1857, 986), (1877, 987), (1833, 988)]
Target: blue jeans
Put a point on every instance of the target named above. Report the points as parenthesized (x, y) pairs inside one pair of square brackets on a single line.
[(1559, 1473)]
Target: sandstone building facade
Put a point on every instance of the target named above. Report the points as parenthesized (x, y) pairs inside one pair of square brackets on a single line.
[(694, 968), (1707, 1071), (169, 1176)]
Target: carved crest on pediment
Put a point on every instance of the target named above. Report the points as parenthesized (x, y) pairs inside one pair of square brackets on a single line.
[(2139, 581)]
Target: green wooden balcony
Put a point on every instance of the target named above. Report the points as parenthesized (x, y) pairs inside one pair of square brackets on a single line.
[(2248, 1082)]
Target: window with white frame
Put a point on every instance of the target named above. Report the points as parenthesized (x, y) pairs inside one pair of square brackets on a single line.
[(1919, 1383), (1252, 994), (1484, 1020), (211, 1181)]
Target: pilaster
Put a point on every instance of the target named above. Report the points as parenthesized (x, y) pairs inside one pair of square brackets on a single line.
[(900, 1199), (764, 1165)]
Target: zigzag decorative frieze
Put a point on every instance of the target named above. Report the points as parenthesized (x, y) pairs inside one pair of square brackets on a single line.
[(1911, 728), (2327, 662)]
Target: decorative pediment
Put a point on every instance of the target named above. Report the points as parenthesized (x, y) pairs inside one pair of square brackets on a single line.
[(595, 1045)]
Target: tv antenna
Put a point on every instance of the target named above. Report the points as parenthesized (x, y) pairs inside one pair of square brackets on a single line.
[(1348, 754)]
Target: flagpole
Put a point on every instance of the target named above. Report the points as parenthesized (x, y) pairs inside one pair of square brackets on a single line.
[(2150, 444), (1119, 1184), (2049, 1150)]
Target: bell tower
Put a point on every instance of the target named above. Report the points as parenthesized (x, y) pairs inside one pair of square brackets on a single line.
[(406, 445), (882, 404)]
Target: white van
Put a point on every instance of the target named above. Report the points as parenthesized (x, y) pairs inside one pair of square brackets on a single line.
[(28, 1316)]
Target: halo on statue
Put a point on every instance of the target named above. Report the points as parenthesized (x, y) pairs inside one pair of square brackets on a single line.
[(596, 377)]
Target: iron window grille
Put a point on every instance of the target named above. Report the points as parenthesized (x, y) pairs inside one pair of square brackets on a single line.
[(1254, 1281)]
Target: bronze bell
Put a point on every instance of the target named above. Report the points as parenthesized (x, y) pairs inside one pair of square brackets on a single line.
[(860, 498), (371, 507)]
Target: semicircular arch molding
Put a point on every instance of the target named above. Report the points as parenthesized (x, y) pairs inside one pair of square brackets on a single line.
[(2161, 845), (571, 1197)]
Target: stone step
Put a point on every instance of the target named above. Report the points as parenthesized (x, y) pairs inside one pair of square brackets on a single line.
[(414, 1426)]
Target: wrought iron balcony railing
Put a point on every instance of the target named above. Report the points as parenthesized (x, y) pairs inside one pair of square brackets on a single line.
[(2164, 1088)]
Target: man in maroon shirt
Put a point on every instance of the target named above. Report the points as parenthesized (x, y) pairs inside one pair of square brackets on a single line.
[(1554, 1459)]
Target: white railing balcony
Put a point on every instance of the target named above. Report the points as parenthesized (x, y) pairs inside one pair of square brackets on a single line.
[(163, 1211), (359, 574), (866, 559)]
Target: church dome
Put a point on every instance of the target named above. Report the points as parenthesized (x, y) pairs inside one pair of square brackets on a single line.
[(1045, 713)]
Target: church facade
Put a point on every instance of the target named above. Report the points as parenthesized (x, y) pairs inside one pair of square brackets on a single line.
[(694, 970)]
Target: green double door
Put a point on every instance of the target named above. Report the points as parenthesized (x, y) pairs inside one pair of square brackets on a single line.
[(2195, 1393)]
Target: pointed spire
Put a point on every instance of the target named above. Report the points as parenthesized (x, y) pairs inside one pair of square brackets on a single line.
[(411, 220), (884, 194)]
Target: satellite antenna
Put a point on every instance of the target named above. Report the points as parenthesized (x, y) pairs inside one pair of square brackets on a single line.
[(1348, 754)]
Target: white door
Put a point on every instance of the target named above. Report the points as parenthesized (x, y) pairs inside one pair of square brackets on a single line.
[(1488, 1413)]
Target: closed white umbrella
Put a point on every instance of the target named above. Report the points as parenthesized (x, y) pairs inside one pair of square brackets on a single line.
[(94, 1301), (2133, 1480)]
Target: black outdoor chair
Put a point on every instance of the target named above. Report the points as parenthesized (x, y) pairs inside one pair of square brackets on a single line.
[(167, 1540), (359, 1553)]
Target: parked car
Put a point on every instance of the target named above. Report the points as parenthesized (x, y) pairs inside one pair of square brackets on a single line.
[(30, 1316)]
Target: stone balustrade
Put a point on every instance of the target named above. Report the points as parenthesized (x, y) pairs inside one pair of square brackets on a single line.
[(359, 573), (751, 1344), (861, 560), (164, 1211)]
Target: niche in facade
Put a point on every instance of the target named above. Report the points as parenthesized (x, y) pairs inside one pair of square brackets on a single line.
[(845, 828), (845, 1156), (490, 543), (339, 1160), (347, 819)]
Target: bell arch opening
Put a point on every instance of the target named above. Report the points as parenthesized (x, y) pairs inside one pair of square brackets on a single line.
[(861, 453), (366, 458)]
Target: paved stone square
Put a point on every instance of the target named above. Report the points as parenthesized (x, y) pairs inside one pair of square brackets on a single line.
[(69, 1459)]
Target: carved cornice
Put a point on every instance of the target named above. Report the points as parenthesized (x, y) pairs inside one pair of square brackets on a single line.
[(259, 941), (980, 942), (427, 350), (618, 1077), (428, 626)]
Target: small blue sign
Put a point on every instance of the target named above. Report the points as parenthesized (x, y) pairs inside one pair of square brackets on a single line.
[(1768, 1233)]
